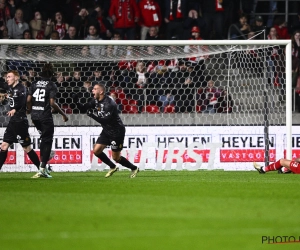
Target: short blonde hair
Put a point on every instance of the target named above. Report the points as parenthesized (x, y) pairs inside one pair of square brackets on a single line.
[(15, 72)]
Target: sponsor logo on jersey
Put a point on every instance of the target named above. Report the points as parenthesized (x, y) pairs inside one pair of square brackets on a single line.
[(42, 84), (37, 108)]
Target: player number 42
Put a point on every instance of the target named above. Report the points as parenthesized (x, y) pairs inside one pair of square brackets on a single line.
[(39, 95)]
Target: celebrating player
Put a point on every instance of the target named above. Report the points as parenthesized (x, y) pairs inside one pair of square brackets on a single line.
[(17, 128), (283, 166), (40, 100), (103, 109)]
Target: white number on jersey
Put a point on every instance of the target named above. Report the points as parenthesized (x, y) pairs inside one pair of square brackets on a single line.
[(39, 95)]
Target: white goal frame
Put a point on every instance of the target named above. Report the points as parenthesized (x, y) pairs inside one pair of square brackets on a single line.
[(286, 43)]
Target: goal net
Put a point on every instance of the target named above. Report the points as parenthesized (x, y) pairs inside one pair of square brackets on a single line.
[(186, 104)]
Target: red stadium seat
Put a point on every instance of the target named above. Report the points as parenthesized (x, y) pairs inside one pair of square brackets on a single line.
[(130, 109), (133, 102), (121, 95), (152, 109), (124, 101), (66, 108), (199, 108), (169, 109)]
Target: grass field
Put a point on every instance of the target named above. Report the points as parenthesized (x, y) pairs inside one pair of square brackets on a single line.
[(157, 210)]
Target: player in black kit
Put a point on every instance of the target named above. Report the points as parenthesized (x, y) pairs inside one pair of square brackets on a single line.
[(17, 128), (103, 109), (41, 98)]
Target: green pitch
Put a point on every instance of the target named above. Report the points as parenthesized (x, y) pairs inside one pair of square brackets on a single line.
[(157, 210)]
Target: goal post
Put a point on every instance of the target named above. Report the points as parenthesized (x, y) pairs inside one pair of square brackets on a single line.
[(252, 95)]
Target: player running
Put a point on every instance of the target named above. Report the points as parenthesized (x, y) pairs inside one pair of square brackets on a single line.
[(103, 109), (40, 100), (17, 128)]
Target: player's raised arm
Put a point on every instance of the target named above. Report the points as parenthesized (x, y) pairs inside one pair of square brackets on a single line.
[(82, 107)]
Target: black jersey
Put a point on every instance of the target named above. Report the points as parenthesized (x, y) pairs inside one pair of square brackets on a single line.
[(17, 100), (41, 92), (107, 115)]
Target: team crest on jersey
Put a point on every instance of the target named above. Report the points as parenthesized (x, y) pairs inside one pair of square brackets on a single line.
[(19, 139)]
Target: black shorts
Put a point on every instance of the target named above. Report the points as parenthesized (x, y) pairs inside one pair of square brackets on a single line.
[(45, 129), (17, 132), (116, 143)]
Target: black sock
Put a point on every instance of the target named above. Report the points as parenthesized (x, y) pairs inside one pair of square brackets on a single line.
[(103, 157), (3, 155), (34, 158), (124, 162), (45, 153)]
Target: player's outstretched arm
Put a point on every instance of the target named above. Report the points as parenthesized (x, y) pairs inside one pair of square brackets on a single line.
[(57, 109), (82, 107)]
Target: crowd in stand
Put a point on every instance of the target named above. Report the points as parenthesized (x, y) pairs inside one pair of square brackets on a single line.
[(164, 85)]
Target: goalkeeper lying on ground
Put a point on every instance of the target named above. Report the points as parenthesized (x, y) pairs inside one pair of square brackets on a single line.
[(283, 166)]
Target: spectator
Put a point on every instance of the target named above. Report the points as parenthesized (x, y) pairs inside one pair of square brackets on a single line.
[(281, 27), (185, 100), (226, 102), (3, 83), (16, 25), (96, 77), (66, 67), (125, 15), (241, 29), (197, 62), (88, 86), (28, 7), (54, 35), (87, 61), (93, 35), (272, 10), (118, 50), (72, 33), (39, 28), (175, 11), (4, 34), (116, 36), (296, 23), (272, 34), (150, 16), (119, 104), (213, 16), (27, 34), (82, 21), (60, 79), (4, 108), (142, 75), (259, 28), (109, 52), (60, 25), (6, 12), (211, 97), (77, 78), (193, 20), (152, 34), (166, 99), (103, 24), (296, 44), (30, 75), (19, 63)]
